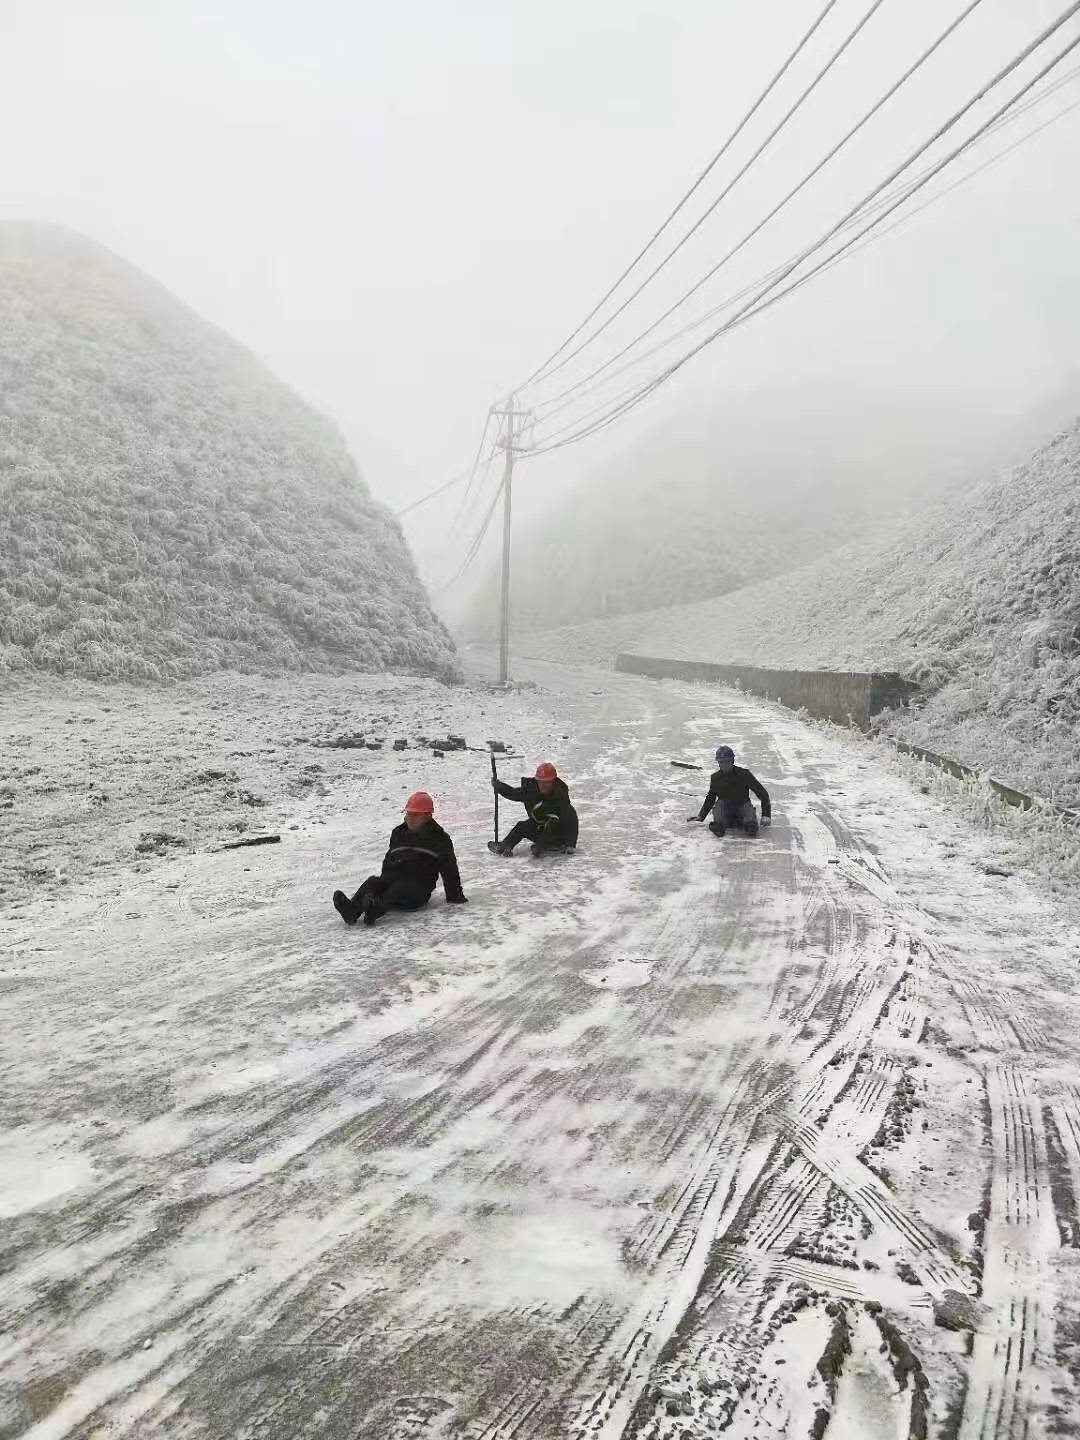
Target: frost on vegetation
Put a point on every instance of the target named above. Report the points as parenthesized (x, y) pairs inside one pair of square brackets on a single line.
[(752, 487), (167, 507), (1040, 839), (977, 600)]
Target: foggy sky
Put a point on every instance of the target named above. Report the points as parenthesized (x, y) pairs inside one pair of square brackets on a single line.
[(402, 208)]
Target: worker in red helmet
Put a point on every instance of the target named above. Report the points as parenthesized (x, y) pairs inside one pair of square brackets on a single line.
[(552, 823), (420, 852)]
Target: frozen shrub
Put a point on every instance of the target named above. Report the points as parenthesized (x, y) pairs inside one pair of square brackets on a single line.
[(978, 601), (166, 506)]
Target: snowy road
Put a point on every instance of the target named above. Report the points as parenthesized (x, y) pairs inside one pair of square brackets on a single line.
[(675, 1136)]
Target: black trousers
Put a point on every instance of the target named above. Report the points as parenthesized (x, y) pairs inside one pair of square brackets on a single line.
[(530, 830), (392, 892)]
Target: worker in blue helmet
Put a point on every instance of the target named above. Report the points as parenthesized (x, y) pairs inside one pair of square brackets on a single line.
[(729, 800)]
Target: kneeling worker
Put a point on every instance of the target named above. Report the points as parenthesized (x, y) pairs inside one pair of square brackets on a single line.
[(729, 797), (420, 852), (552, 825)]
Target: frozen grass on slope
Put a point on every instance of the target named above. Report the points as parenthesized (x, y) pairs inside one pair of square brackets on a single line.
[(752, 486), (978, 601), (167, 507)]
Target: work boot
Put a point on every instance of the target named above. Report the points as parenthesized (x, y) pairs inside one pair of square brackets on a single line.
[(750, 828), (344, 906), (498, 848), (716, 827)]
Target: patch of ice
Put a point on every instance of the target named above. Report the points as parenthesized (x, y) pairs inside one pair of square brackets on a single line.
[(38, 1166), (160, 1136), (622, 975)]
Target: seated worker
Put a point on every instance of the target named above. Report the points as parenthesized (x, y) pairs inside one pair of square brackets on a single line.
[(552, 825), (420, 852), (729, 797)]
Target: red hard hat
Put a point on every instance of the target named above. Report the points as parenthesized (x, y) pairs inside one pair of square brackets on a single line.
[(546, 771), (420, 804)]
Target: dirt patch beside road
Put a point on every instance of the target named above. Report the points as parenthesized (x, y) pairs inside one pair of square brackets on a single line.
[(98, 780)]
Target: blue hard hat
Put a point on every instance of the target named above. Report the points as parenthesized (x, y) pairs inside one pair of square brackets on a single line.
[(724, 752)]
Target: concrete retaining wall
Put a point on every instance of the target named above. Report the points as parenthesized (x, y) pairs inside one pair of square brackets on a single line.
[(848, 698)]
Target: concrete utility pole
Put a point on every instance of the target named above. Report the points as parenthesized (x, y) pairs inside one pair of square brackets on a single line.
[(508, 480)]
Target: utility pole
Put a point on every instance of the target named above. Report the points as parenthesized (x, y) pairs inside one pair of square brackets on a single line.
[(508, 479)]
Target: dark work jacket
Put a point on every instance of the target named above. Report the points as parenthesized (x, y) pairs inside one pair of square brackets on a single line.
[(423, 856), (554, 813), (734, 786)]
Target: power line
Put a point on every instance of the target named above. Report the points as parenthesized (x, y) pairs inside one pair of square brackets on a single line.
[(469, 474), (978, 170), (810, 175), (760, 303), (880, 199), (577, 392), (475, 466), (431, 495), (853, 246), (477, 541), (689, 193), (942, 130), (468, 503), (515, 421), (554, 369)]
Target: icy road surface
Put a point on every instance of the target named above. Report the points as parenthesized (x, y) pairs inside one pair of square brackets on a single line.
[(673, 1137)]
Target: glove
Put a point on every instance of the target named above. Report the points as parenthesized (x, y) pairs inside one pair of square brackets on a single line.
[(457, 899), (766, 821)]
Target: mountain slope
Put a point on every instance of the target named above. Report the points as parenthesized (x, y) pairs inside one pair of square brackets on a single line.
[(979, 601), (754, 487), (167, 507)]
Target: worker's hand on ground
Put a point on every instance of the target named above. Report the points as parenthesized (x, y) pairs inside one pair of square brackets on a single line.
[(766, 821)]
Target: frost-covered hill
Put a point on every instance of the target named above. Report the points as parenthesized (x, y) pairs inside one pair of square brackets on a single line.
[(978, 600), (752, 487), (167, 507)]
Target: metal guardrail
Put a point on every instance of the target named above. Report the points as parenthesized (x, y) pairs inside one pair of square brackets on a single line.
[(1008, 793)]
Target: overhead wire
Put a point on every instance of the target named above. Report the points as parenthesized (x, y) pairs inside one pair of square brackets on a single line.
[(853, 246), (475, 469), (469, 501), (776, 130), (688, 194), (978, 170), (477, 541), (469, 475), (796, 190), (574, 394), (881, 199), (750, 311), (431, 495), (760, 303)]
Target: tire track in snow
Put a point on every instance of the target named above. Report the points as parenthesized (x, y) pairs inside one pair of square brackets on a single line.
[(850, 1109), (638, 1341), (857, 1285), (1021, 1234), (937, 1272), (605, 1413), (1065, 1112)]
